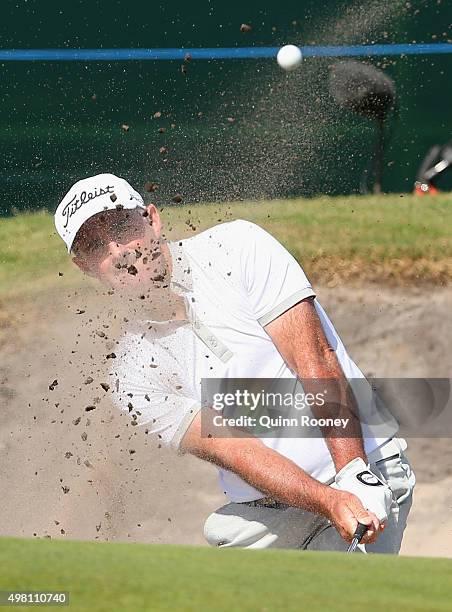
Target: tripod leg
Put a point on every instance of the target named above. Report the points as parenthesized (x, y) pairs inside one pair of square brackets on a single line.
[(378, 158)]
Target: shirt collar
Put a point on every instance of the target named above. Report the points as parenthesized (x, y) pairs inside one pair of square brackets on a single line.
[(181, 275)]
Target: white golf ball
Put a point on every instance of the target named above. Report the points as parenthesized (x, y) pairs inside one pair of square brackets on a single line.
[(289, 57)]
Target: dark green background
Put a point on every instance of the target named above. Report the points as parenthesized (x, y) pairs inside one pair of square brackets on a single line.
[(288, 137)]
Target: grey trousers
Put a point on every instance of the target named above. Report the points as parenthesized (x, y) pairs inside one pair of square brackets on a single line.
[(246, 526)]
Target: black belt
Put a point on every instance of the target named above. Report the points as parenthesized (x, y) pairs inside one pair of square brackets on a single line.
[(266, 502)]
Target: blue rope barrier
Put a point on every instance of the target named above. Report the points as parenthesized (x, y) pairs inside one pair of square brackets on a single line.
[(101, 55)]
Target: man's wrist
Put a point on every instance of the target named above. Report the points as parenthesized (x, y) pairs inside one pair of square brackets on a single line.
[(343, 460), (344, 450)]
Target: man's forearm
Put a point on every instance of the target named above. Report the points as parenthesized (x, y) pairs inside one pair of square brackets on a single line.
[(277, 476), (264, 469), (299, 337), (344, 443)]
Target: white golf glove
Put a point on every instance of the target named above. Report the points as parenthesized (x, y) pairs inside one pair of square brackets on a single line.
[(373, 493)]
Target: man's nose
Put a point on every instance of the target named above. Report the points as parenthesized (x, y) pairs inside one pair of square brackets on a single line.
[(115, 249)]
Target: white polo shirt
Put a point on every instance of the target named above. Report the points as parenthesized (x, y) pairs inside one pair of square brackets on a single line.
[(235, 279)]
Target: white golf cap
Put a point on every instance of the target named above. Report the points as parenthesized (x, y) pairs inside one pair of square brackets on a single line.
[(89, 197)]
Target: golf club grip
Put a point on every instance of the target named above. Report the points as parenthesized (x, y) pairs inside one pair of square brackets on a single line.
[(360, 531)]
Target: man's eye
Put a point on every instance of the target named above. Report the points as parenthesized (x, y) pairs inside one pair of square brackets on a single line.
[(93, 245), (125, 232)]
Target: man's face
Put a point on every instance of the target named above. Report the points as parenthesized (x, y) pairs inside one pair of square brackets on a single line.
[(121, 249)]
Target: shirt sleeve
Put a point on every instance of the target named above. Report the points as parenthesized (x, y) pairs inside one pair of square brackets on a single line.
[(273, 279), (167, 415)]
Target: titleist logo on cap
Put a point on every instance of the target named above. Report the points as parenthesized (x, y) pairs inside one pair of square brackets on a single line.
[(89, 197), (79, 199)]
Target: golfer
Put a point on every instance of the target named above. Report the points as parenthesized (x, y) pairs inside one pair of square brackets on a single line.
[(231, 303)]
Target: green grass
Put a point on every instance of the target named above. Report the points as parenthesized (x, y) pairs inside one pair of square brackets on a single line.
[(363, 238), (31, 254), (133, 577)]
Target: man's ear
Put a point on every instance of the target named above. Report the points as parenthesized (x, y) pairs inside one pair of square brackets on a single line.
[(154, 219)]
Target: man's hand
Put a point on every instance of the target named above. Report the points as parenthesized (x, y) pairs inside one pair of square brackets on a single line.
[(374, 494), (345, 511)]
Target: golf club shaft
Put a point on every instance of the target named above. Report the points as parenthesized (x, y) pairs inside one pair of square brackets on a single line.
[(357, 537)]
